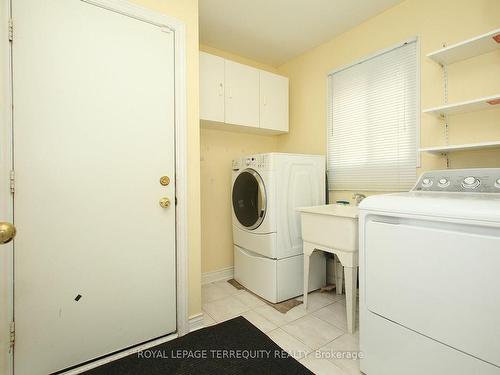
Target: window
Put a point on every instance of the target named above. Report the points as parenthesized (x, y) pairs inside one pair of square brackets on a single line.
[(373, 122)]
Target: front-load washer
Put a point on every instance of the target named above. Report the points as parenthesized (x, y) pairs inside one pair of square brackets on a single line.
[(429, 266), (266, 189)]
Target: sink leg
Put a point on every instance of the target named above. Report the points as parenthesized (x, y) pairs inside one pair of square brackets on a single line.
[(339, 275), (308, 250), (351, 276), (306, 278)]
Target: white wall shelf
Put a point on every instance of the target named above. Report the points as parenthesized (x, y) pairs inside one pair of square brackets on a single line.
[(481, 104), (468, 48), (464, 147)]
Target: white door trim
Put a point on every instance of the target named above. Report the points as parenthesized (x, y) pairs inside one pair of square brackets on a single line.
[(171, 25)]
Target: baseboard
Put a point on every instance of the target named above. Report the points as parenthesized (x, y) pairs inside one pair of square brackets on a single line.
[(223, 274), (196, 322)]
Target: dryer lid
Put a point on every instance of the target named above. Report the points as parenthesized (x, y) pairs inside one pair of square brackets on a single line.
[(472, 194), (466, 206)]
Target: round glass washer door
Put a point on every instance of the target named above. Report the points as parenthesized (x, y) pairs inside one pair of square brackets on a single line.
[(249, 199)]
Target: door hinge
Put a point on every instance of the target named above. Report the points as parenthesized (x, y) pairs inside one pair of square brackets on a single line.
[(11, 29), (12, 334), (12, 182)]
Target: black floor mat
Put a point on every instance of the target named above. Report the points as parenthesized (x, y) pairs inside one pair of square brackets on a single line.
[(232, 347)]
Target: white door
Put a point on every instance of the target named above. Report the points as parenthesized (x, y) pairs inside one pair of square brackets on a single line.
[(242, 94), (93, 133), (211, 87), (273, 101)]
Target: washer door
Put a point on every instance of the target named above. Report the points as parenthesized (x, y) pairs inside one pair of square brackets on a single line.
[(249, 199)]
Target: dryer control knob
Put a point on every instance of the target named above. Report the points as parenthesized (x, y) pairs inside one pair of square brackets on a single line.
[(471, 182), (444, 182), (497, 183), (427, 182)]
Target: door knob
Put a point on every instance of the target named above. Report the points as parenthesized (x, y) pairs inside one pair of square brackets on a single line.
[(7, 232), (164, 202), (164, 180)]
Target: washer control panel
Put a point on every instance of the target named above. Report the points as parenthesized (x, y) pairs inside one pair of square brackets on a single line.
[(253, 161), (480, 180)]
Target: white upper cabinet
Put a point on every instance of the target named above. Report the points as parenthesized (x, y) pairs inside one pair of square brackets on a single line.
[(211, 87), (273, 101), (241, 97), (242, 94)]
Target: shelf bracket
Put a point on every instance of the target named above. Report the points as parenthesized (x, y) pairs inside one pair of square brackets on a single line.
[(445, 116), (448, 164)]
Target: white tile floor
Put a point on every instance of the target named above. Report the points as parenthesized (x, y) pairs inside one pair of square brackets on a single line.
[(316, 337)]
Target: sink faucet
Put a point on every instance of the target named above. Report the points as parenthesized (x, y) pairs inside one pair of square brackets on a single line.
[(358, 197)]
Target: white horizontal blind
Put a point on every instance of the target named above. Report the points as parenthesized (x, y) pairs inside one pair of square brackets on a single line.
[(372, 123)]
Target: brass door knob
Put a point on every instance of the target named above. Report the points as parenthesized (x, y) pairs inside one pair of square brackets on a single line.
[(164, 180), (164, 202), (7, 232)]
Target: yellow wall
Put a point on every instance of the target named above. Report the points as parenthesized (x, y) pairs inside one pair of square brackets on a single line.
[(187, 11), (435, 22), (218, 149)]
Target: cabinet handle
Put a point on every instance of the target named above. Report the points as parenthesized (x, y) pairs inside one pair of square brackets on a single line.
[(221, 89)]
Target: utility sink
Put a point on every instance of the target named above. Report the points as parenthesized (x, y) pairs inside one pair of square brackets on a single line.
[(333, 226)]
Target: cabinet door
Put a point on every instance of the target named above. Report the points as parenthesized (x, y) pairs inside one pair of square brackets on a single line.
[(273, 101), (211, 87), (242, 94)]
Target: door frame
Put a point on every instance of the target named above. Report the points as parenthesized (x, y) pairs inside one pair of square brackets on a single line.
[(169, 24)]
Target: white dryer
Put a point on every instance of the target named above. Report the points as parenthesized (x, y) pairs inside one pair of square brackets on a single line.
[(266, 189), (429, 267)]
